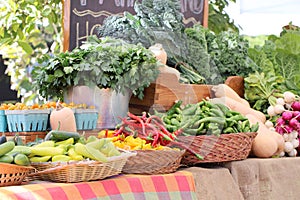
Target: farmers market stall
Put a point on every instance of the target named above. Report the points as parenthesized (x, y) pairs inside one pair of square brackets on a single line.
[(197, 118)]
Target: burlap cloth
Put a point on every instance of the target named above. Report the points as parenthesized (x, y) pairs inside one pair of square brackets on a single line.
[(267, 179), (214, 184)]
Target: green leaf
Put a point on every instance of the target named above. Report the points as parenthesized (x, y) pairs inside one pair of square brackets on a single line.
[(46, 11), (25, 46), (58, 73), (20, 34)]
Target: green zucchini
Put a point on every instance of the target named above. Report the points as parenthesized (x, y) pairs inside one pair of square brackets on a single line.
[(21, 159), (62, 135), (6, 147), (6, 158)]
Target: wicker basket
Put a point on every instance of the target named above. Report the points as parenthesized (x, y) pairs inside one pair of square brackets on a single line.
[(79, 171), (11, 174), (153, 162), (215, 149)]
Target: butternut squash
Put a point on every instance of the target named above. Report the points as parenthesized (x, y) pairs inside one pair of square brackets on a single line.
[(63, 118), (239, 107), (223, 90), (159, 52), (267, 143)]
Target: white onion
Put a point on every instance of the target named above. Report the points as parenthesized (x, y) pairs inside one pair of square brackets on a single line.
[(293, 153), (289, 97), (288, 147), (295, 143), (280, 101), (286, 137), (271, 111), (278, 109), (269, 124)]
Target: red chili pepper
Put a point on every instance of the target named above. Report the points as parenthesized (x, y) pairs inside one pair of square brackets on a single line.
[(149, 120), (144, 116), (164, 130), (155, 141), (132, 116), (117, 132)]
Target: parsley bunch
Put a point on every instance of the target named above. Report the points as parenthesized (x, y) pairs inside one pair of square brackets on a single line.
[(106, 63)]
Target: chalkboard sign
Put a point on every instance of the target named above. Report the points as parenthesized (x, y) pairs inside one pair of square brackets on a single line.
[(82, 17)]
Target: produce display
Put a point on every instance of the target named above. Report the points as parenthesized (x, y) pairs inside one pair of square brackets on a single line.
[(61, 147), (129, 142), (128, 54), (284, 118), (206, 118), (199, 54)]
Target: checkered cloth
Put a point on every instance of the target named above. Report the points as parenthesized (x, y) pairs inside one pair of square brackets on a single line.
[(178, 185)]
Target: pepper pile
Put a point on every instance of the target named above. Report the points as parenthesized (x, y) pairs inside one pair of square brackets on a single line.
[(151, 129)]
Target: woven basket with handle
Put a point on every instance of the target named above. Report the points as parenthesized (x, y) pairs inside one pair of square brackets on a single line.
[(214, 149), (154, 162), (12, 174)]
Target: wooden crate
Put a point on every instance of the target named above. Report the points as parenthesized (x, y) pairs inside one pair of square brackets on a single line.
[(26, 136), (162, 94)]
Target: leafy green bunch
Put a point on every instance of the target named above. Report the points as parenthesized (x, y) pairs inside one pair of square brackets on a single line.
[(106, 63), (56, 73), (154, 22), (279, 63), (198, 54)]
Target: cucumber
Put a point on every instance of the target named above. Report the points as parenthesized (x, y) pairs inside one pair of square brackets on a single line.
[(48, 143), (21, 159), (21, 149), (39, 158), (6, 147), (7, 158), (61, 158), (62, 135), (47, 151)]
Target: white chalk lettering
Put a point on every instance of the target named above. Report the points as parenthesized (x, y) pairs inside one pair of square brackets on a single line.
[(121, 3), (83, 2), (195, 6), (93, 28), (82, 38)]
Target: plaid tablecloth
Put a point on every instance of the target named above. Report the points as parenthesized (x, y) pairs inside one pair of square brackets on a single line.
[(178, 185)]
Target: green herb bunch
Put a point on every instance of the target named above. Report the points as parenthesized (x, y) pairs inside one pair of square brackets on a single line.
[(106, 63), (55, 73)]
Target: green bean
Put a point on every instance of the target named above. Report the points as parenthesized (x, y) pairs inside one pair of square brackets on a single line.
[(216, 112)]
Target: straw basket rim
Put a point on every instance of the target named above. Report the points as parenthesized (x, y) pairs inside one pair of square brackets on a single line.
[(154, 162), (216, 149), (79, 171), (12, 174)]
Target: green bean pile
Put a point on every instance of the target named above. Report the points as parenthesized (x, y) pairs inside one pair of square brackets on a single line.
[(205, 118)]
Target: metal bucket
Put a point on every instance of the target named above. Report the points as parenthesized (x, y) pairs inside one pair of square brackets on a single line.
[(111, 106)]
